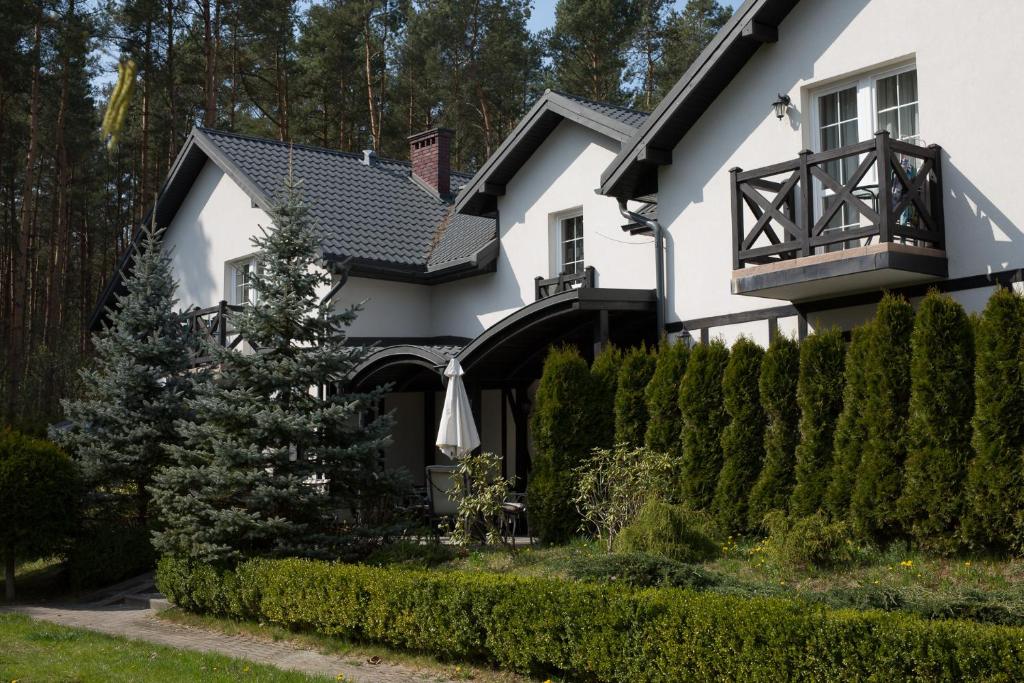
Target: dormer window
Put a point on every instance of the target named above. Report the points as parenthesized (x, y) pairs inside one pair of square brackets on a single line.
[(243, 290), (571, 245)]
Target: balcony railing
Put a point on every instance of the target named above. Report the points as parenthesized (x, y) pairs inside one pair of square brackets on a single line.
[(213, 326), (878, 191), (545, 287)]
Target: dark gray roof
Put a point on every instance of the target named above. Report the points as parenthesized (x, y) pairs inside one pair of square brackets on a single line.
[(633, 118)]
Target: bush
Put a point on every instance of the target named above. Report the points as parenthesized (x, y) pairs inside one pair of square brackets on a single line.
[(597, 633), (876, 491), (808, 542), (994, 479), (939, 426), (664, 422), (480, 490), (604, 375), (560, 427), (630, 403), (104, 552), (704, 418), (851, 428), (411, 554), (743, 437), (819, 396), (640, 570), (671, 531), (780, 370)]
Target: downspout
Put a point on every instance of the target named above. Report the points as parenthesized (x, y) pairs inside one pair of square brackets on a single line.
[(659, 259)]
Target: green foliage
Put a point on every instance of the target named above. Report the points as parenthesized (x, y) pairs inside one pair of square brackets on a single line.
[(630, 402), (819, 395), (604, 375), (686, 34), (665, 423), (994, 480), (851, 427), (808, 542), (613, 484), (780, 371), (640, 570), (704, 418), (411, 554), (480, 490), (939, 426), (671, 531), (605, 633), (589, 45), (106, 551), (743, 437), (879, 482), (559, 425)]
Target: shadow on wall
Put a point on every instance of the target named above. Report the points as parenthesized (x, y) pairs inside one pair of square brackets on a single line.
[(188, 253)]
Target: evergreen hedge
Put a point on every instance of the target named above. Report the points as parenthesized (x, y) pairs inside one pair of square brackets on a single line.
[(665, 422), (994, 480), (604, 375), (597, 633), (879, 480), (743, 436), (939, 428), (560, 427), (630, 402), (820, 400), (780, 371), (704, 418)]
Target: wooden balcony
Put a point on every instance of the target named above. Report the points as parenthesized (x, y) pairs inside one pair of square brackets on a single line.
[(545, 287), (858, 218), (211, 326)]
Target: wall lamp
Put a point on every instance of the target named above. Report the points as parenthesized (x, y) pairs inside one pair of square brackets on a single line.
[(781, 106)]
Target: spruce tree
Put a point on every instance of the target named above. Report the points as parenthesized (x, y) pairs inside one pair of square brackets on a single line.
[(630, 403), (995, 476), (819, 394), (939, 426), (134, 391), (664, 422), (704, 418), (780, 372), (876, 491), (743, 436), (240, 482), (604, 374)]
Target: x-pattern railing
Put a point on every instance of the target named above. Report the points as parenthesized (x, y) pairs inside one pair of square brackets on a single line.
[(212, 326), (545, 287)]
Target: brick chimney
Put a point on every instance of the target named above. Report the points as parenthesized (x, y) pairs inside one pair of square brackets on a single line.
[(430, 153)]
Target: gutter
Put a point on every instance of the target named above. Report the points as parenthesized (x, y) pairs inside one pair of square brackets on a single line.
[(659, 259)]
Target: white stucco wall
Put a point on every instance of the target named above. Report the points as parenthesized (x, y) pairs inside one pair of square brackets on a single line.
[(967, 60), (390, 309)]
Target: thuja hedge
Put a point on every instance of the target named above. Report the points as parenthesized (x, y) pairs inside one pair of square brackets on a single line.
[(604, 376), (701, 405), (589, 632), (662, 396), (630, 401)]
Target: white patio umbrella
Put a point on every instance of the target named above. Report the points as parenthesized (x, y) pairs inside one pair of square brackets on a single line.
[(456, 435)]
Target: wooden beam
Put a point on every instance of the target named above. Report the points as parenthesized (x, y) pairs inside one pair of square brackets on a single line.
[(493, 189), (760, 32), (655, 155)]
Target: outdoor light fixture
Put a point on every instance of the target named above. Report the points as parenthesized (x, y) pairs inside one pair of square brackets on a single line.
[(780, 106)]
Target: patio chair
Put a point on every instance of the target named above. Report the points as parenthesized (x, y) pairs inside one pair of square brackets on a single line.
[(513, 509), (443, 507)]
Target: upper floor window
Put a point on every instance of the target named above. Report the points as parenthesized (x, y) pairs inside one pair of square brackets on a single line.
[(243, 290), (571, 245)]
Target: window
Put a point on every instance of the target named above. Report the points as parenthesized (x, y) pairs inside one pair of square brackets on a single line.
[(243, 289), (896, 105), (571, 245)]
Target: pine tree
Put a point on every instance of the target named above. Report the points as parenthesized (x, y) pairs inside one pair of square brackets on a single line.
[(686, 34), (604, 375), (662, 396), (704, 418), (780, 371), (588, 47), (742, 438), (939, 427), (996, 475), (136, 388), (630, 406), (879, 481), (239, 485), (820, 392)]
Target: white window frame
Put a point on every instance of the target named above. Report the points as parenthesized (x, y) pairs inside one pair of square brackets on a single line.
[(232, 268), (560, 240)]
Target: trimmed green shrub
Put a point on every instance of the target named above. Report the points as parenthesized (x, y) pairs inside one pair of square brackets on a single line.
[(808, 542), (876, 491), (560, 425), (604, 375), (704, 418), (598, 633), (640, 570), (742, 438), (780, 371), (106, 551), (994, 478), (851, 429), (671, 531), (664, 422), (939, 426), (819, 395), (630, 403), (412, 554)]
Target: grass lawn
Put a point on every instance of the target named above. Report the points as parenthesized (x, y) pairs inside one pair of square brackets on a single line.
[(37, 651)]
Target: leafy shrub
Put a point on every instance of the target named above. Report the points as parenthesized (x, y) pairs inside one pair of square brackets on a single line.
[(597, 633), (613, 484), (806, 542), (640, 571), (480, 490), (630, 402), (412, 554), (604, 375), (106, 551), (939, 437), (995, 478), (560, 426), (742, 438), (876, 491), (662, 397), (672, 531), (819, 396), (704, 418)]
